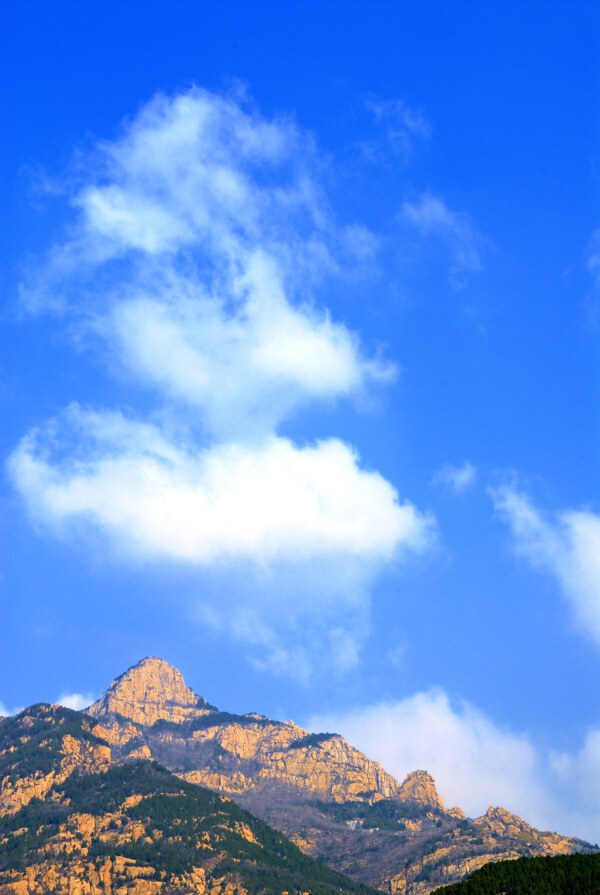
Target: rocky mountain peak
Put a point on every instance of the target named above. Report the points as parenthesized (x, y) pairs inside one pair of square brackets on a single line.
[(419, 786), (150, 691), (503, 822)]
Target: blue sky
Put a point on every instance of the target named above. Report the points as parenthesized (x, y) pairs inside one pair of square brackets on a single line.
[(299, 374)]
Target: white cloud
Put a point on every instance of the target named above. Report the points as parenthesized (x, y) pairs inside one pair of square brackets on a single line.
[(244, 368), (199, 182), (459, 478), (292, 536), (566, 545), (477, 763), (76, 701), (200, 238), (578, 776), (210, 230), (431, 217), (267, 501), (593, 264), (593, 258), (331, 625)]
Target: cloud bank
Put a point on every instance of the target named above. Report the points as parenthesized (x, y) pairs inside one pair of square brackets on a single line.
[(200, 238), (157, 498)]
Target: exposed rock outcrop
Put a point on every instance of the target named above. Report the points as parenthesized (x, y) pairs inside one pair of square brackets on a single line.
[(116, 876), (132, 827), (16, 791), (274, 755), (148, 692), (278, 770), (231, 754), (500, 822), (419, 787), (329, 798)]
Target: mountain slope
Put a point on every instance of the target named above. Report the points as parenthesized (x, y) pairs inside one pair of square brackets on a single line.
[(326, 796), (231, 753), (102, 827)]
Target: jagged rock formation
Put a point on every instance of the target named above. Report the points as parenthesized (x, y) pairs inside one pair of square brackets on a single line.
[(419, 787), (133, 828), (504, 823), (230, 753), (74, 745), (150, 691), (284, 756), (329, 798)]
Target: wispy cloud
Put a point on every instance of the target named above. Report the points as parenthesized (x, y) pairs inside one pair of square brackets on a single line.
[(200, 236), (565, 545), (432, 218), (6, 712), (400, 124), (593, 265), (458, 478), (476, 762), (593, 257)]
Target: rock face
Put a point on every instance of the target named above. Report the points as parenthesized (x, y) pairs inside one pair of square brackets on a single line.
[(73, 753), (500, 822), (273, 756), (326, 796), (230, 753), (150, 691), (132, 828), (330, 799), (419, 787)]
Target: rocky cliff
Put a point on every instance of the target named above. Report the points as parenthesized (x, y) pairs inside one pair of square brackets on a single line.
[(150, 691), (151, 706), (329, 798), (419, 787), (50, 747), (109, 828)]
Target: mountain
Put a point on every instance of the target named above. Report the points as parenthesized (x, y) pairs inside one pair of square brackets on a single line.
[(234, 754), (74, 821), (151, 691), (330, 799)]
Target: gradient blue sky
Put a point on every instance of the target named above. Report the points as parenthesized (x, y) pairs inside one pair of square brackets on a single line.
[(299, 373)]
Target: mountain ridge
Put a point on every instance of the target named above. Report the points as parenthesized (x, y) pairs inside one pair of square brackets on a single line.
[(258, 749), (131, 828), (329, 798)]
